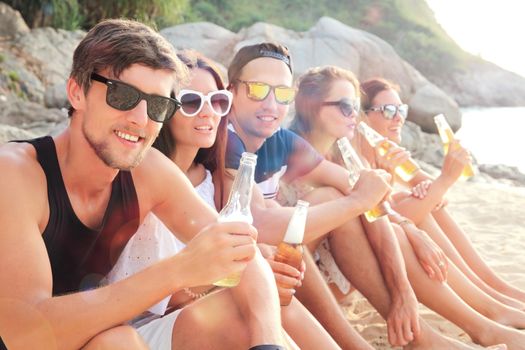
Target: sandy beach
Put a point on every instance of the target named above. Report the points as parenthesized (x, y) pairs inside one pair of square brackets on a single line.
[(492, 215)]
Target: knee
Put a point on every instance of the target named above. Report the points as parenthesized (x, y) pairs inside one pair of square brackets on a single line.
[(323, 194), (223, 328), (122, 337)]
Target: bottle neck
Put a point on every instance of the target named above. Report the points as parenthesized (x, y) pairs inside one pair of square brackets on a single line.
[(241, 192)]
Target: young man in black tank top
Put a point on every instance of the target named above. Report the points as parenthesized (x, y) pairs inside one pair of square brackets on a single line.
[(69, 205)]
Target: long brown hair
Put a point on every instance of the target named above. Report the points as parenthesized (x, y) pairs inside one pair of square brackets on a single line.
[(314, 86), (211, 158)]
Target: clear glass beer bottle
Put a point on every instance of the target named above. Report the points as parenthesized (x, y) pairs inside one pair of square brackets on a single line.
[(407, 170), (447, 136), (354, 165), (238, 206)]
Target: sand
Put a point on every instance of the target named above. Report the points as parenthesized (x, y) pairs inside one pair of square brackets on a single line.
[(492, 215)]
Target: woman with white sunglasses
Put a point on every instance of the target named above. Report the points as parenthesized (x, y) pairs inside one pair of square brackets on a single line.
[(195, 140)]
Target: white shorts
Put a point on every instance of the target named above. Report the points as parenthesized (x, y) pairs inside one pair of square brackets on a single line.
[(157, 333)]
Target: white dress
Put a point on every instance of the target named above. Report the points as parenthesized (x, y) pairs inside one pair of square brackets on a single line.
[(153, 242)]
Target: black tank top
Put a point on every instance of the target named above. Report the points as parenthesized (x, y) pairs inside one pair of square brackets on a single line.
[(80, 256)]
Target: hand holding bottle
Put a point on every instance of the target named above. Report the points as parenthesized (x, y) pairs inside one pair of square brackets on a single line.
[(238, 207), (218, 250), (404, 166), (455, 162), (394, 157), (359, 179), (372, 187), (450, 143), (288, 277)]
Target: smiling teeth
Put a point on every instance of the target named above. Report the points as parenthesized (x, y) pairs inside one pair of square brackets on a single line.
[(203, 127), (267, 119), (127, 137)]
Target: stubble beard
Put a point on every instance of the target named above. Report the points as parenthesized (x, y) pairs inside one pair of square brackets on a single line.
[(110, 157)]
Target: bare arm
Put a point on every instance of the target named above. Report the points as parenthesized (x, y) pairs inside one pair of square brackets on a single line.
[(31, 317), (171, 196), (329, 174), (417, 208), (402, 319), (271, 220)]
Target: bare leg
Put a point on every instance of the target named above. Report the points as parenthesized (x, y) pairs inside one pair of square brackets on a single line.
[(317, 298), (482, 302), (305, 329), (430, 225), (442, 299), (258, 302), (463, 244), (357, 261), (118, 338), (213, 322)]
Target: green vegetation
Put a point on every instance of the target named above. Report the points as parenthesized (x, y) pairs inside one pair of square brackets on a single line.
[(2, 58), (13, 83), (13, 76), (75, 14), (408, 25)]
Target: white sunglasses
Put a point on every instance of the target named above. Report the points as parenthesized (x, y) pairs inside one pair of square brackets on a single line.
[(192, 102)]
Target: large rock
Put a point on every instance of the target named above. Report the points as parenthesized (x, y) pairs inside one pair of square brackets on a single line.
[(422, 146), (17, 79), (207, 38), (11, 22), (485, 84), (499, 171), (30, 116), (48, 53), (329, 42), (429, 101), (8, 133)]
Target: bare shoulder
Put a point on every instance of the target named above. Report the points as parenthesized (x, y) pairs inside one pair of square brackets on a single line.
[(153, 177), (23, 181), (24, 212)]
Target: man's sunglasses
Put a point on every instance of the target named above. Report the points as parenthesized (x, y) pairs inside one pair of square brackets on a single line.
[(192, 102), (389, 111), (347, 106), (125, 97), (258, 91)]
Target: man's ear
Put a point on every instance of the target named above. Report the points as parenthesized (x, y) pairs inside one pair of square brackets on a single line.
[(75, 94)]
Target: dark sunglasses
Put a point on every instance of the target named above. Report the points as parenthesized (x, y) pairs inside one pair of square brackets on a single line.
[(258, 91), (347, 106), (192, 102), (125, 97), (389, 111)]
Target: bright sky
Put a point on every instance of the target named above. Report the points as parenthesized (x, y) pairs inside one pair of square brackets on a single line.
[(492, 29)]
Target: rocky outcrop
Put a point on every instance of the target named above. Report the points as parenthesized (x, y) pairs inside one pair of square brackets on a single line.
[(329, 42), (11, 22), (8, 133), (484, 84), (30, 116), (48, 53), (498, 171), (35, 64)]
